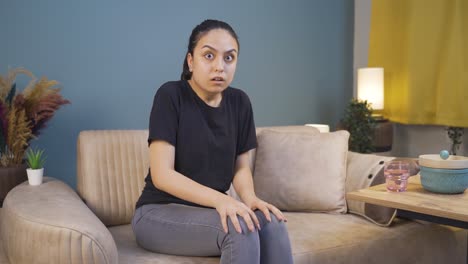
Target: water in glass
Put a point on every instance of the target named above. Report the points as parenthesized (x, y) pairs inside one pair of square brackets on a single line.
[(396, 176)]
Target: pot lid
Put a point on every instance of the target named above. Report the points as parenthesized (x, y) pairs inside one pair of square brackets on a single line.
[(437, 161)]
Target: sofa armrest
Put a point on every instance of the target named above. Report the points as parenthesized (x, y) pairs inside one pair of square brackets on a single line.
[(49, 223), (363, 171)]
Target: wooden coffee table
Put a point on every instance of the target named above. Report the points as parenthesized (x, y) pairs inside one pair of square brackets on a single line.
[(417, 203)]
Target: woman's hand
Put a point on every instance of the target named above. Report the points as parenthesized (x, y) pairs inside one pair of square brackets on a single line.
[(256, 203), (230, 207)]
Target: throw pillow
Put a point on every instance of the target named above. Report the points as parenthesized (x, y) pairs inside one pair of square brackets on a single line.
[(297, 171), (291, 129)]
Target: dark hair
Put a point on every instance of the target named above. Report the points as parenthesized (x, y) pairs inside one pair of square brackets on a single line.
[(198, 32)]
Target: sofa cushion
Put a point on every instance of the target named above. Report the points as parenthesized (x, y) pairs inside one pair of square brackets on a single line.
[(286, 129), (299, 171), (130, 252), (347, 238), (252, 156), (335, 238), (111, 168)]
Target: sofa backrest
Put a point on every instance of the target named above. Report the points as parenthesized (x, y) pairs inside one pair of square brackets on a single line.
[(112, 165)]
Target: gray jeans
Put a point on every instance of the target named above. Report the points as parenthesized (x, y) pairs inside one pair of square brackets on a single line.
[(194, 231)]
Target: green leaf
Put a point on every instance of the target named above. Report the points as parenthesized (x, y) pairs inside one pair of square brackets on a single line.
[(359, 122), (455, 134), (35, 158)]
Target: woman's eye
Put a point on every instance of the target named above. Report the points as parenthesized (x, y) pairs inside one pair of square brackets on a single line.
[(229, 58), (209, 56)]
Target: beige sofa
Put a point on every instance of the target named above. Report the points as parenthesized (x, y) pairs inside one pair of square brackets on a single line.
[(51, 223)]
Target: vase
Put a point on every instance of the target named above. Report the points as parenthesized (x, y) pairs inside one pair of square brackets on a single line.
[(10, 177), (35, 176)]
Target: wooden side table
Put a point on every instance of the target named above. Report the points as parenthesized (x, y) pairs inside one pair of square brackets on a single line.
[(9, 178), (417, 203)]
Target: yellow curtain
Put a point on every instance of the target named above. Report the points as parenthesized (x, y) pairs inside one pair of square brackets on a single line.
[(423, 47)]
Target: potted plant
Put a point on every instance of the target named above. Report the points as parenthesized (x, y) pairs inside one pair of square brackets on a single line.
[(455, 135), (23, 115), (360, 124), (35, 160)]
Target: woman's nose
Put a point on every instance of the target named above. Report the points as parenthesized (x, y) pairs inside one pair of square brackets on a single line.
[(219, 65)]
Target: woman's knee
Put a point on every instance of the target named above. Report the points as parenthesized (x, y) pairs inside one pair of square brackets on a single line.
[(263, 219), (275, 221), (243, 225), (247, 242), (273, 224), (246, 237)]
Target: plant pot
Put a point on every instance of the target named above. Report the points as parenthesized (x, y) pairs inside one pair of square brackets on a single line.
[(10, 177), (35, 176), (383, 135)]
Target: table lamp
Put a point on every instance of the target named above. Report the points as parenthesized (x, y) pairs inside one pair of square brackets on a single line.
[(370, 87), (321, 127)]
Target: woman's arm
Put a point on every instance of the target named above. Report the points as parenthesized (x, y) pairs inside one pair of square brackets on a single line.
[(243, 184), (167, 179)]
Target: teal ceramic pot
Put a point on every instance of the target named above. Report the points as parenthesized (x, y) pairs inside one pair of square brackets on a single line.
[(447, 181)]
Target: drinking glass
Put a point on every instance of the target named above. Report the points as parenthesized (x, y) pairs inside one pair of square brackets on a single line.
[(396, 175)]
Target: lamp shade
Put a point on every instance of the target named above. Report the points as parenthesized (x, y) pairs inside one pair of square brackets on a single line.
[(321, 127), (370, 86)]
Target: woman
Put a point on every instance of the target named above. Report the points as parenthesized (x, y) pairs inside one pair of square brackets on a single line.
[(201, 132)]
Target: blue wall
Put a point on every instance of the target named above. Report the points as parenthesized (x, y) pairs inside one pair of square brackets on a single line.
[(111, 56)]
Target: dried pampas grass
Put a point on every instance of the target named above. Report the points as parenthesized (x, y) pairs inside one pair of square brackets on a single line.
[(23, 115)]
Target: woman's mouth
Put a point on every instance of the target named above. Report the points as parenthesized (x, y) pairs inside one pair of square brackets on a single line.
[(217, 79)]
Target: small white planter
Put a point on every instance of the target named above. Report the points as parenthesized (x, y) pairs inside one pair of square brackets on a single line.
[(35, 176)]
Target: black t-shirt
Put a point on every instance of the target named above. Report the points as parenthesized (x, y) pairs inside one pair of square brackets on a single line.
[(207, 139)]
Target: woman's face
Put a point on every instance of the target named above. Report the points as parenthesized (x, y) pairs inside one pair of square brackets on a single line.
[(213, 62)]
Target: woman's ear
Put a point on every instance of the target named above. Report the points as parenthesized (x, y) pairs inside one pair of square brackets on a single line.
[(189, 61)]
